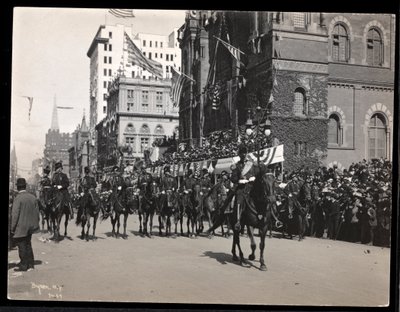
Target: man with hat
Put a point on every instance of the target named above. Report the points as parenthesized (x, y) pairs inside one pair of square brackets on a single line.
[(118, 187), (60, 183), (189, 181), (24, 222), (168, 184), (87, 187), (44, 187)]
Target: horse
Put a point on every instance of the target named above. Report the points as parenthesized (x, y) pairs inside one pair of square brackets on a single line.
[(118, 203), (148, 207), (44, 203), (169, 207), (194, 211), (253, 206), (59, 208), (186, 208), (291, 215), (89, 207)]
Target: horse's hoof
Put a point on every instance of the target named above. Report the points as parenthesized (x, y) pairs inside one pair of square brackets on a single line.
[(235, 258), (252, 257), (82, 238), (263, 267)]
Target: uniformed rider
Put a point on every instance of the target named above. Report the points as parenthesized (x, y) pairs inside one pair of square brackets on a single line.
[(87, 187), (44, 184), (60, 183)]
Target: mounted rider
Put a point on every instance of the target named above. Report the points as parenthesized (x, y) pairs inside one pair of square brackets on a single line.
[(168, 185), (60, 183), (189, 181), (44, 186), (87, 188), (118, 187)]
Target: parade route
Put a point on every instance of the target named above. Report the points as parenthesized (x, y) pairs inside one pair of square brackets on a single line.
[(200, 270)]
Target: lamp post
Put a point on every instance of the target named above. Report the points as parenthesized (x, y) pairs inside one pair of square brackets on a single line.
[(261, 129)]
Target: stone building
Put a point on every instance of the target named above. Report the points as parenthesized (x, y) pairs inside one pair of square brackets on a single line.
[(324, 80), (139, 111)]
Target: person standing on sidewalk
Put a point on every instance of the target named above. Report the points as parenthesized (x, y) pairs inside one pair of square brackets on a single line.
[(24, 222)]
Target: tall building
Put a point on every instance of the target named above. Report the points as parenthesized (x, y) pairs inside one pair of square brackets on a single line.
[(109, 59), (57, 144), (325, 80), (139, 112), (13, 168)]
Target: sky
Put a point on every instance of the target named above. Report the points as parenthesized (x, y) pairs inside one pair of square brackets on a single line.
[(49, 59)]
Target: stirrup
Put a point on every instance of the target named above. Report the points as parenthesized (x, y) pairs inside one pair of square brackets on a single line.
[(278, 224)]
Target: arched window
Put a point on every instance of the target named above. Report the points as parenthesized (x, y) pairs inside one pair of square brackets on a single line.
[(130, 128), (299, 107), (145, 129), (334, 130), (374, 48), (159, 130), (377, 136), (340, 44)]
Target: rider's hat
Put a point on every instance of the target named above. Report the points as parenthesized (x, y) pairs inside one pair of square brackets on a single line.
[(46, 170), (58, 165), (87, 170)]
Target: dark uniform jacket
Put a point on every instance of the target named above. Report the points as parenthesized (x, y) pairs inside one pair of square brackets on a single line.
[(44, 189), (189, 183), (25, 215), (60, 179), (168, 182), (87, 183)]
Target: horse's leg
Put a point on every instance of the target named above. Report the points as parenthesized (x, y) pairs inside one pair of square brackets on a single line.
[(94, 225), (140, 223), (300, 227), (83, 223), (263, 233), (151, 223), (234, 243), (113, 219), (250, 232), (188, 224), (181, 221), (87, 226), (125, 223), (66, 224), (118, 222)]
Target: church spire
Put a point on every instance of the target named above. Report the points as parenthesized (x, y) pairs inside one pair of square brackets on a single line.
[(54, 120), (84, 127)]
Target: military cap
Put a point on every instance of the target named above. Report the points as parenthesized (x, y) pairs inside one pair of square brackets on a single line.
[(46, 170), (58, 165)]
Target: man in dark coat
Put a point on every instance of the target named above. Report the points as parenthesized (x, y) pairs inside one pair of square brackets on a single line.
[(60, 183), (189, 181), (24, 222), (45, 187), (87, 187)]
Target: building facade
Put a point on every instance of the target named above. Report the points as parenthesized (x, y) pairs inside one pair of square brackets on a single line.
[(139, 112), (57, 145), (324, 80)]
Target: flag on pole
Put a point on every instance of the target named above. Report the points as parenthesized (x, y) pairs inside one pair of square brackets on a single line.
[(123, 13), (216, 97), (30, 99), (136, 57), (177, 84), (234, 51)]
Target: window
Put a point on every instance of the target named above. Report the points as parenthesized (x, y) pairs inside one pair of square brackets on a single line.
[(105, 71), (202, 52), (161, 44), (105, 84), (105, 96), (159, 96), (144, 43), (145, 95), (130, 106), (340, 44), (155, 54), (172, 57), (334, 130), (167, 57), (144, 144), (104, 109), (110, 47), (130, 140), (144, 53), (105, 47), (155, 43), (110, 34), (167, 69), (109, 72), (145, 107), (150, 44), (109, 60), (108, 84), (374, 48), (159, 130), (159, 107), (133, 74), (301, 148), (377, 136), (130, 94), (299, 107), (161, 55), (298, 20), (105, 59), (150, 54)]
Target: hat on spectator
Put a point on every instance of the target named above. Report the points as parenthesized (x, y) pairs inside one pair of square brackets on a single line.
[(58, 165), (21, 182), (46, 169)]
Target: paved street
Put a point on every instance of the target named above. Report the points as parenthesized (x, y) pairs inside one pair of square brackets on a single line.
[(200, 270)]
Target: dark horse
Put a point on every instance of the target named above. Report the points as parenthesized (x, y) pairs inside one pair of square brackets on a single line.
[(148, 207), (292, 216), (58, 209), (186, 208), (253, 205), (45, 202), (194, 210), (169, 207), (89, 207)]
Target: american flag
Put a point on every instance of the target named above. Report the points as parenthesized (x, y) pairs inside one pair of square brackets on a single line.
[(124, 13), (234, 51), (177, 84), (216, 97), (136, 57)]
